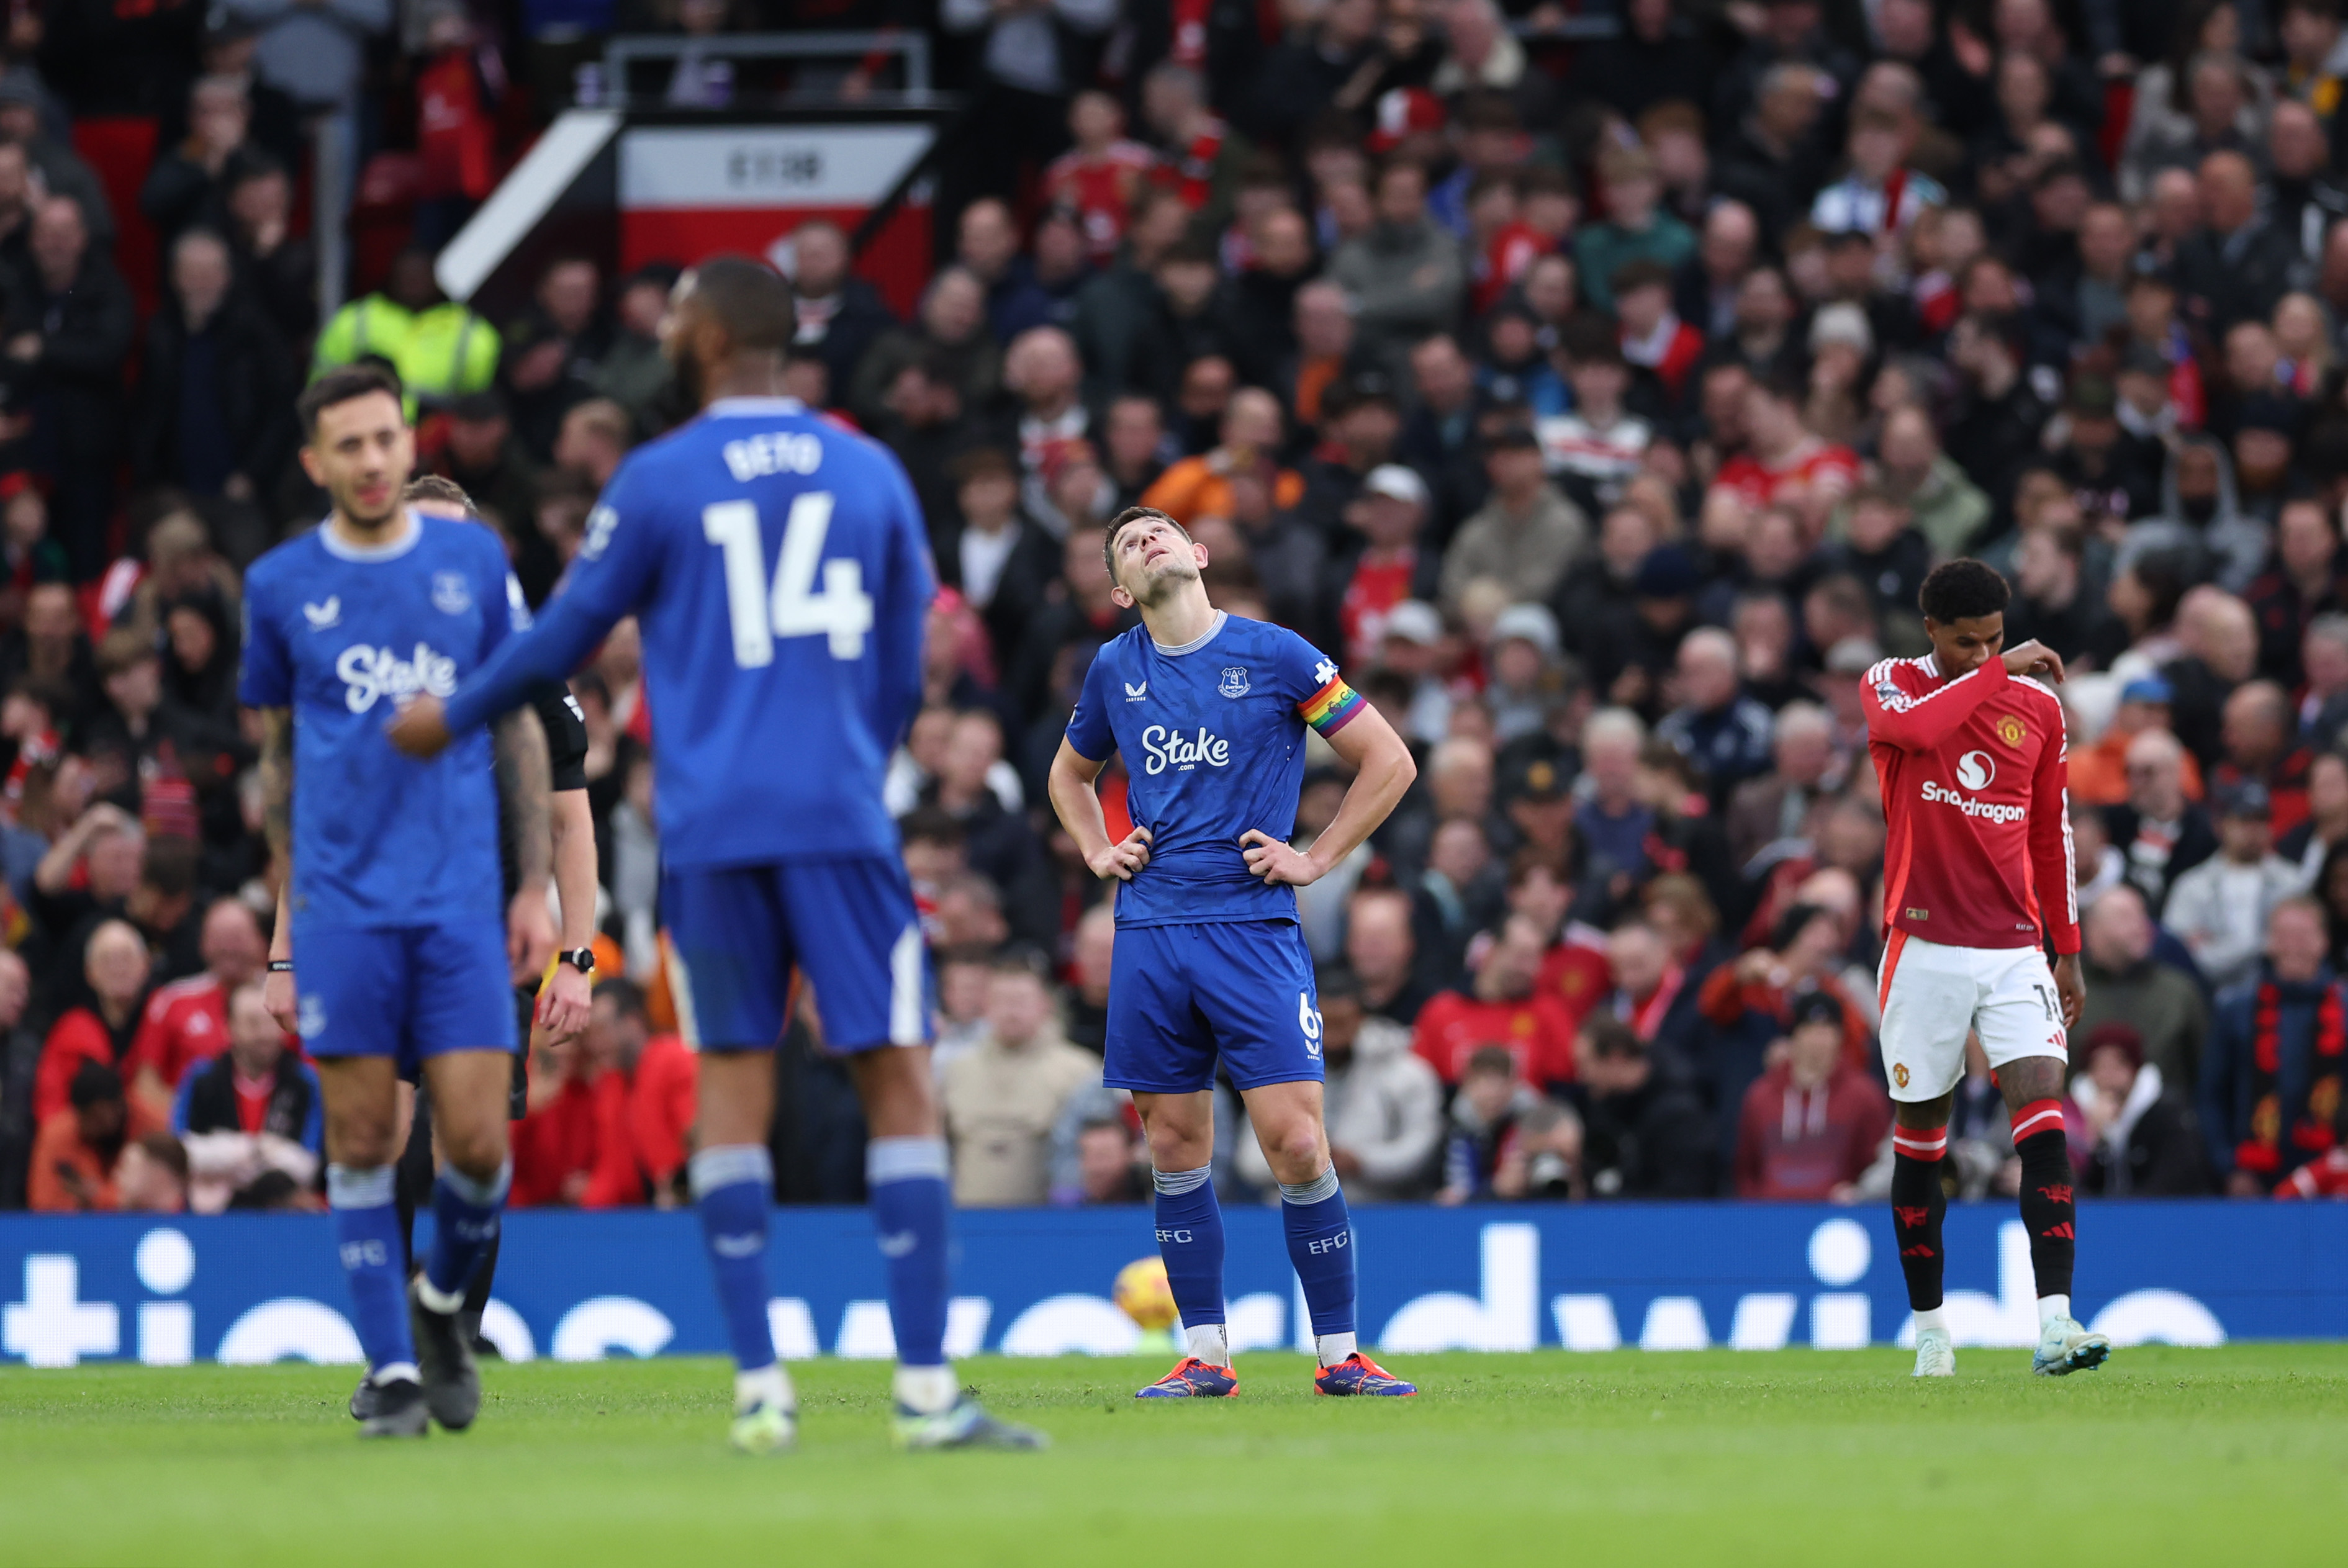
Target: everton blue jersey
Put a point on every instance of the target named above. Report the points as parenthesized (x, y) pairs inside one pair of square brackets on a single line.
[(345, 636), (1213, 737), (779, 568)]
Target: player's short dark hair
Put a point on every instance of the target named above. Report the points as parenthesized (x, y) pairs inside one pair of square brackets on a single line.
[(344, 384), (627, 997), (1117, 525), (750, 300), (436, 487), (1963, 589)]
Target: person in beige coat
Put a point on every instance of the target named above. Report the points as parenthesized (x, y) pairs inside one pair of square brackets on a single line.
[(1002, 1097), (1525, 535)]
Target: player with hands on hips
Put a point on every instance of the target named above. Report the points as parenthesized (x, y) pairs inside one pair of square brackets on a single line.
[(1209, 712)]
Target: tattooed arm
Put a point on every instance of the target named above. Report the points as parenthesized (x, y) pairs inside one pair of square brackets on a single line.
[(277, 823), (525, 782)]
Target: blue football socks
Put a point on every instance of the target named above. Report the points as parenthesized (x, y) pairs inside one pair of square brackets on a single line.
[(464, 1222), (1191, 1240), (366, 1235), (1321, 1245), (733, 1184), (906, 1179)]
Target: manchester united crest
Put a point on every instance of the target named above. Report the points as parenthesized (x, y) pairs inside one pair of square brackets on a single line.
[(1899, 1073), (2009, 731)]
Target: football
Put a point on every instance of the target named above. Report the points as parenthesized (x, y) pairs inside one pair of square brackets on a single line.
[(1142, 1291)]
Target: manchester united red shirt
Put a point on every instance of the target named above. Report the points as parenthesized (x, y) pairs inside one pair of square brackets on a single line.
[(1979, 845)]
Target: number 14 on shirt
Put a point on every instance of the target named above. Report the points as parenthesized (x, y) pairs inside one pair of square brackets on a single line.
[(842, 612)]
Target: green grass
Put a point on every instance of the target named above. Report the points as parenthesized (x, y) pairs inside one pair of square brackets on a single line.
[(1798, 1457)]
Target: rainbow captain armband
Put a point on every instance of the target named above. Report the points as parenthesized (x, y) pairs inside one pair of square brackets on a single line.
[(1332, 707)]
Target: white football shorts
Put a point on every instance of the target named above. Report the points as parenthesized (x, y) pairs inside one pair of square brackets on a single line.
[(1932, 995)]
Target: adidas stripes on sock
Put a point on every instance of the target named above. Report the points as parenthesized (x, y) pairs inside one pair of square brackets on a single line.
[(2048, 1205), (1918, 1202)]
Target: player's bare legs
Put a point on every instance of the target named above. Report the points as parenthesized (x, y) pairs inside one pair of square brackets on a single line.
[(362, 1117), (733, 1179)]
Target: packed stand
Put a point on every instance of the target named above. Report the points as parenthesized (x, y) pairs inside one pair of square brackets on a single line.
[(1598, 405)]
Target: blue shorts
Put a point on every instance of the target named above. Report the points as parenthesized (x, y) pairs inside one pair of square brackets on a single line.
[(1180, 995), (408, 992), (848, 925)]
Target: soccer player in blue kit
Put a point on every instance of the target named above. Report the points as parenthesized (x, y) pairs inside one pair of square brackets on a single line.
[(779, 568), (1210, 711), (390, 954)]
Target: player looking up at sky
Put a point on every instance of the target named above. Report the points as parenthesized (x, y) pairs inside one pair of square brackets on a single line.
[(1977, 874), (1209, 711), (389, 954), (777, 565)]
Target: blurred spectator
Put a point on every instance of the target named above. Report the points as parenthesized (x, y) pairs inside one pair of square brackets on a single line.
[(186, 1021), (442, 349), (1501, 1007), (68, 328), (20, 1062), (1723, 732), (644, 1085), (151, 1177), (80, 1143), (2129, 986), (1493, 1098), (1525, 536), (2145, 1142), (840, 315), (62, 171), (2219, 908), (1774, 806), (1645, 1136), (2162, 833), (189, 184), (254, 1107), (1811, 1124), (2271, 1079), (1405, 275), (1383, 1104), (116, 970), (1001, 1098), (1380, 950), (214, 415)]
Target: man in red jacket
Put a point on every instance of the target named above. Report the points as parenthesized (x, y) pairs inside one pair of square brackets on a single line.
[(1812, 1123), (1503, 1008)]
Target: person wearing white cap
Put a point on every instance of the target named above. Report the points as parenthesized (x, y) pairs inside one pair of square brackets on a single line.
[(1526, 535), (1412, 648), (1390, 512), (1523, 656)]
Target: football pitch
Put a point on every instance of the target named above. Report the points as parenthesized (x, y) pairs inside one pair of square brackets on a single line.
[(1794, 1457)]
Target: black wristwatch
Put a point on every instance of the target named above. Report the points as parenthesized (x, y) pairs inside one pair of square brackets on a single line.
[(580, 958)]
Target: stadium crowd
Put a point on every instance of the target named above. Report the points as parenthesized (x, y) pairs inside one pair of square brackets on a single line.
[(1599, 405)]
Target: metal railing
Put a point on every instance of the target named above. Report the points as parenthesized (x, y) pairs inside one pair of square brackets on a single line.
[(910, 46)]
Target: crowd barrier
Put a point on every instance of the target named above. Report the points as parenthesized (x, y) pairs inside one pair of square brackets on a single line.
[(581, 1286)]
